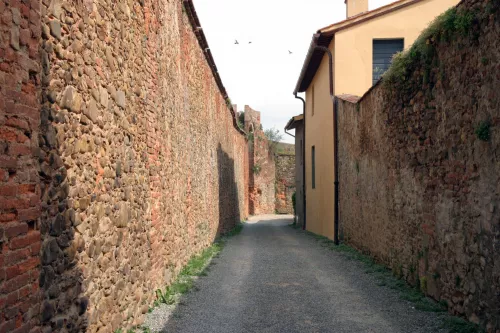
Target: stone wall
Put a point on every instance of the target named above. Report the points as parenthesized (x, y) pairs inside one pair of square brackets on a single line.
[(19, 182), (419, 174), (285, 183), (262, 167), (119, 159)]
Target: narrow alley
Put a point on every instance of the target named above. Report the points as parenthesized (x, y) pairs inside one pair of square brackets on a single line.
[(152, 154), (273, 278)]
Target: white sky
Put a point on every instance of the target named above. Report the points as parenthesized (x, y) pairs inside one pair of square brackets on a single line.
[(263, 74)]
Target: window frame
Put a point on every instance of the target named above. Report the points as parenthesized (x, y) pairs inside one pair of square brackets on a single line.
[(374, 40)]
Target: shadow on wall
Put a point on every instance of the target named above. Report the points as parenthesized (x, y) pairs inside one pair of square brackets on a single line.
[(251, 173), (62, 306), (229, 210)]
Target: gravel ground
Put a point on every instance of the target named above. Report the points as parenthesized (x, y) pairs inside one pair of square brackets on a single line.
[(272, 278)]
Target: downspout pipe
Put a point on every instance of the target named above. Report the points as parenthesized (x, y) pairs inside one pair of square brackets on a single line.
[(293, 136), (304, 160), (335, 146)]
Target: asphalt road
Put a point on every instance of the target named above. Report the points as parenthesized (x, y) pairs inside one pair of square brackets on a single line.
[(272, 278)]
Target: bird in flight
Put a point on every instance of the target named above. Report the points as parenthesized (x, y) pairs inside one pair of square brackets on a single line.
[(250, 42), (290, 52), (236, 42)]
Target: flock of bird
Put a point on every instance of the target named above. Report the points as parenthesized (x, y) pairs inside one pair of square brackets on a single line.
[(250, 42)]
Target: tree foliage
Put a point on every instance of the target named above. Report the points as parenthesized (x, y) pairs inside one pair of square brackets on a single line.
[(273, 137)]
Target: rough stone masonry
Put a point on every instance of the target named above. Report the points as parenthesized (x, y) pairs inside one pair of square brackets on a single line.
[(285, 181), (262, 166), (119, 159), (419, 168)]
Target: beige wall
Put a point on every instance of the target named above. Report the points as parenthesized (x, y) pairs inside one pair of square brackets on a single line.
[(299, 177), (353, 46), (319, 133), (353, 69)]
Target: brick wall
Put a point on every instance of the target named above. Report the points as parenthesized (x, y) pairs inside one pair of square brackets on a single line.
[(19, 182), (119, 160), (419, 188)]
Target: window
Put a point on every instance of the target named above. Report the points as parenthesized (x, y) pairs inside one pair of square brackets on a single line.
[(383, 51), (312, 108), (313, 164)]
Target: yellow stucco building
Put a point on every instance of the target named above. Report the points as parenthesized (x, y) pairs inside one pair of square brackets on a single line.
[(362, 47)]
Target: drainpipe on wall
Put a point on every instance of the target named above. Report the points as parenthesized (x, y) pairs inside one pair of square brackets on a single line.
[(293, 136), (335, 147), (304, 160)]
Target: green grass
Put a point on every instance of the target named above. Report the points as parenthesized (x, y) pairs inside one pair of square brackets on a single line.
[(233, 232), (483, 131), (142, 329), (450, 26), (198, 265), (459, 325), (385, 278)]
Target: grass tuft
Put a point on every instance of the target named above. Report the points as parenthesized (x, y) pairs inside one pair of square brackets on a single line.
[(483, 131), (198, 265), (385, 278), (450, 25), (459, 325)]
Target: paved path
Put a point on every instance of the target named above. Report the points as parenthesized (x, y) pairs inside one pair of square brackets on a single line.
[(272, 278)]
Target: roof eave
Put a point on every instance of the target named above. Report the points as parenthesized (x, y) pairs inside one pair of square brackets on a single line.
[(294, 120), (202, 41), (327, 33), (313, 57), (306, 64)]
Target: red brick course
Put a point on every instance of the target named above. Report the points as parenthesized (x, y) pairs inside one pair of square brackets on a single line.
[(19, 188)]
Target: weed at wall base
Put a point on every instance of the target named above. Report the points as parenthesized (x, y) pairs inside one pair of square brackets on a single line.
[(483, 131), (197, 266), (385, 278)]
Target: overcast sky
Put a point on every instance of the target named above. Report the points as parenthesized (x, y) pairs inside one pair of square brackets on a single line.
[(263, 74)]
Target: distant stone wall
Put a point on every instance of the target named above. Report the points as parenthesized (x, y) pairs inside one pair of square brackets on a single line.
[(118, 153), (419, 167), (285, 183), (20, 207), (261, 166)]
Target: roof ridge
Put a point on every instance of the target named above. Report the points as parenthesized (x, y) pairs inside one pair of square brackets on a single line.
[(380, 10)]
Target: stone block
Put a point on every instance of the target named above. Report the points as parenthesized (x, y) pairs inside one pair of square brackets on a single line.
[(55, 9), (55, 28), (71, 99), (92, 111), (123, 217), (14, 38), (104, 97), (120, 98), (16, 16)]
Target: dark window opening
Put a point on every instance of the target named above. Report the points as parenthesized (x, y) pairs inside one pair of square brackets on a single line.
[(383, 51), (313, 164)]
